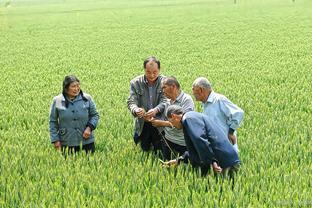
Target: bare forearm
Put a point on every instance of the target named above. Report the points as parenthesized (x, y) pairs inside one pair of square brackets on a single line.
[(161, 123)]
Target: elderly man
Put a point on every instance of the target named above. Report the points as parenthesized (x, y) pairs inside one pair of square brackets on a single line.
[(173, 142), (220, 109), (147, 101), (207, 143)]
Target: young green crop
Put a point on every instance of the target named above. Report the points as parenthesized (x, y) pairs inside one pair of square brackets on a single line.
[(257, 53)]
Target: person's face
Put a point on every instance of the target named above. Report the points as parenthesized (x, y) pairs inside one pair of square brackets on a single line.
[(168, 91), (175, 120), (198, 93), (151, 71), (73, 89)]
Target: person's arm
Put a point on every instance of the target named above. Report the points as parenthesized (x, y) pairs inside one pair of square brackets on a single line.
[(185, 157), (54, 126), (132, 102), (160, 108), (233, 113), (93, 115), (162, 104), (93, 119), (160, 123), (234, 116), (177, 161)]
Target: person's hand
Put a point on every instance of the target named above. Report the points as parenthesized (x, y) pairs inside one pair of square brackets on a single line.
[(151, 113), (87, 132), (216, 168), (140, 112), (232, 138), (170, 163), (147, 118), (57, 145)]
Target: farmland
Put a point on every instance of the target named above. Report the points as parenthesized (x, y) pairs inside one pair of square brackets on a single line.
[(256, 52)]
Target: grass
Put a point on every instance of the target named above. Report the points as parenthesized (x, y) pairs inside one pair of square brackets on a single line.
[(255, 52)]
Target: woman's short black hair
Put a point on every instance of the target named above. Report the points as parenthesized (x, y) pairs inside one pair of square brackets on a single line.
[(67, 81)]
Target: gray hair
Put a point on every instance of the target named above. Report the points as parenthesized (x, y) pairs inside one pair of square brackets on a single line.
[(202, 82), (171, 81), (174, 109)]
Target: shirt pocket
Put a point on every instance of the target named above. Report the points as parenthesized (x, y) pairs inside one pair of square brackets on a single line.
[(62, 131)]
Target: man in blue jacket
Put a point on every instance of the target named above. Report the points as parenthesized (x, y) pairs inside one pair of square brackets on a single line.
[(206, 143)]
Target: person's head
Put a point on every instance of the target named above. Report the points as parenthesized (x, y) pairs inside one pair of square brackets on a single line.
[(170, 87), (174, 115), (71, 86), (201, 89), (152, 68)]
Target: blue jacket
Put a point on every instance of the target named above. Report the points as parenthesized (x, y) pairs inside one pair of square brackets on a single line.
[(68, 124), (207, 142)]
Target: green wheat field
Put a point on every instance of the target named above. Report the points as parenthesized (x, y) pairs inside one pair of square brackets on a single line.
[(256, 52)]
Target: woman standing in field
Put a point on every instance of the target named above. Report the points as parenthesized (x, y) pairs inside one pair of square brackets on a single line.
[(73, 117)]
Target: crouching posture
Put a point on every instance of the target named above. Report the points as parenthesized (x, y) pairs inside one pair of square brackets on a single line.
[(206, 143)]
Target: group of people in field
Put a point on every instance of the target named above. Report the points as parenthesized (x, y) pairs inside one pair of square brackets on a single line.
[(165, 121)]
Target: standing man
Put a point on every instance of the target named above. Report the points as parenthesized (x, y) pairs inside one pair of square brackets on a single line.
[(146, 101), (219, 109), (173, 141), (207, 144)]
